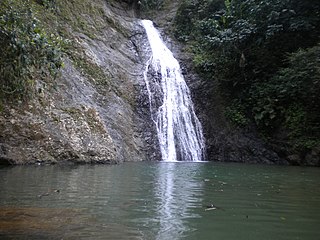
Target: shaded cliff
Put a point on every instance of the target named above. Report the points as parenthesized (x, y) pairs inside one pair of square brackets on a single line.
[(93, 111), (224, 142), (97, 109)]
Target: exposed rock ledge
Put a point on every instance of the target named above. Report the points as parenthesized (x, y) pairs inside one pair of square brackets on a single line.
[(94, 112)]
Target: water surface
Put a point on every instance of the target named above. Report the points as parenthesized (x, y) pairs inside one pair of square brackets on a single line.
[(160, 201)]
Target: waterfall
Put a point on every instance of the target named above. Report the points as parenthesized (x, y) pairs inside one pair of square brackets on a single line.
[(178, 128)]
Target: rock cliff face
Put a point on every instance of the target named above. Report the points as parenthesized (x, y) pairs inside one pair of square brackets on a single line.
[(95, 111)]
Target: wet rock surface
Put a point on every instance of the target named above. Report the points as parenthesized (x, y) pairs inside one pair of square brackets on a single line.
[(224, 142), (97, 111)]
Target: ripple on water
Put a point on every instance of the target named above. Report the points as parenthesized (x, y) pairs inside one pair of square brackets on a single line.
[(160, 201)]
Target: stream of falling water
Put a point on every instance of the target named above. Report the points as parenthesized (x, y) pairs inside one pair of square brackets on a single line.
[(179, 130)]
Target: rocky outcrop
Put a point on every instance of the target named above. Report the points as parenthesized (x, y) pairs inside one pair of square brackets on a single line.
[(94, 111), (97, 110)]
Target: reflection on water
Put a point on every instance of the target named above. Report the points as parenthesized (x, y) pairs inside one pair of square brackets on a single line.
[(160, 201), (177, 195), (165, 194)]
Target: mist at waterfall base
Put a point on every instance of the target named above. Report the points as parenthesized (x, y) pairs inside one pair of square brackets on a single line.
[(178, 128)]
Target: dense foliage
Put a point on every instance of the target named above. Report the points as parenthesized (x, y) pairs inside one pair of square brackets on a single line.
[(27, 51), (266, 58), (151, 4)]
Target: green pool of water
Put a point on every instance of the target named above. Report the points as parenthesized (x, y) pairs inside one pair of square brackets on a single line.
[(164, 201)]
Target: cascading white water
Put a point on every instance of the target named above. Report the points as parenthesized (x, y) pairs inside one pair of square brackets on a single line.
[(179, 130)]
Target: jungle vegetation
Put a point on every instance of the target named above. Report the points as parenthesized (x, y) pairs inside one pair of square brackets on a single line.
[(28, 52), (265, 56)]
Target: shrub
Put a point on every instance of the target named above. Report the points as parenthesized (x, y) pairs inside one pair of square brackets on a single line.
[(28, 52), (235, 114), (147, 5), (264, 57)]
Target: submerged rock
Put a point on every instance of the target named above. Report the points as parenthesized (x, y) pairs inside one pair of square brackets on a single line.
[(40, 223)]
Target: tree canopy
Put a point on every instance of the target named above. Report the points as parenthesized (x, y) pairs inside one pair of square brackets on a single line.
[(265, 56)]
